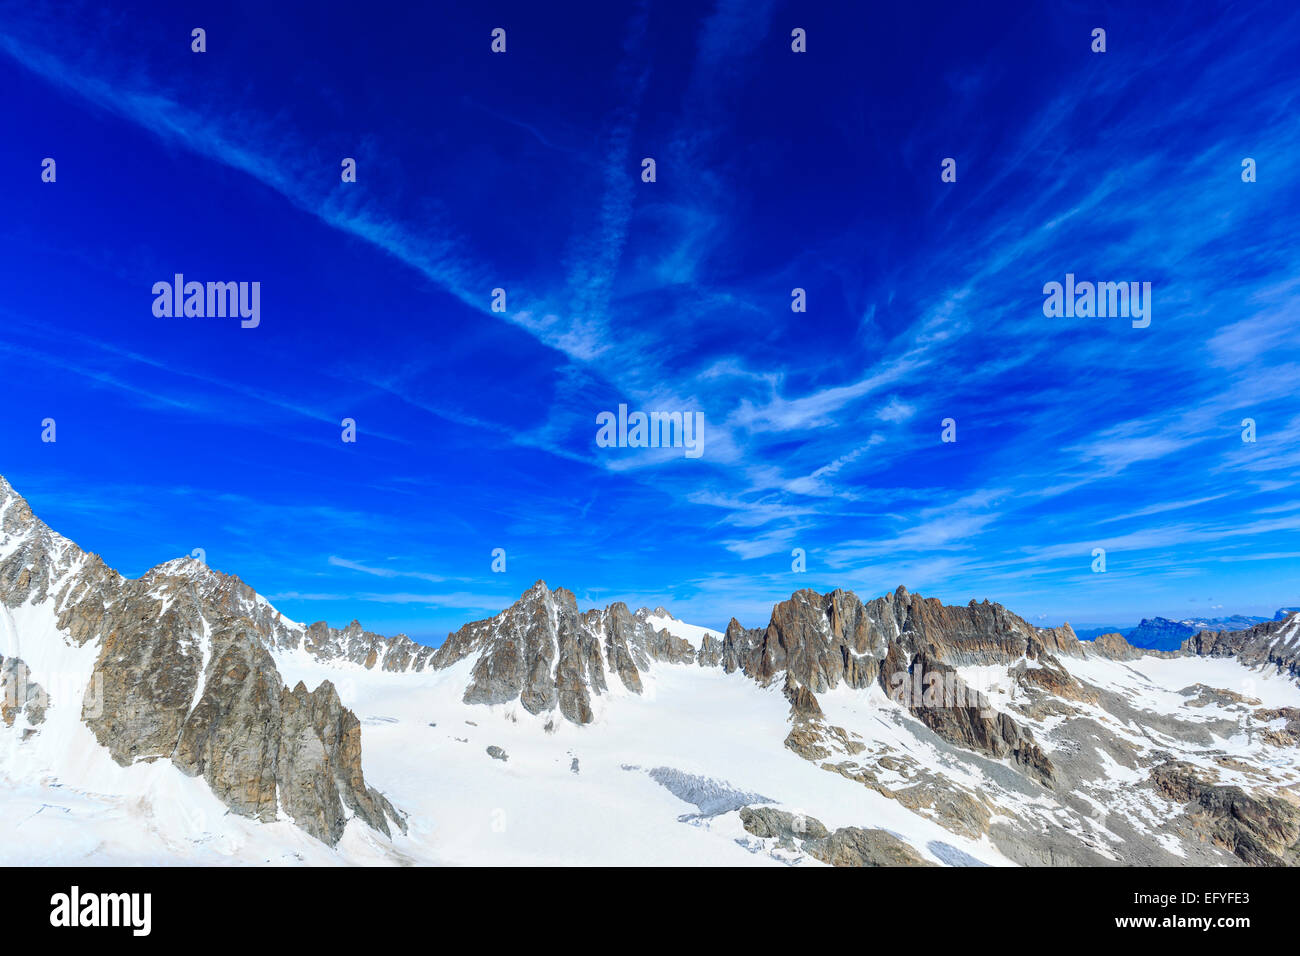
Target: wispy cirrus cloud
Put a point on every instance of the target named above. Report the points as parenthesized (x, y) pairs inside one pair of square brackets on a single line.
[(337, 562), (823, 428)]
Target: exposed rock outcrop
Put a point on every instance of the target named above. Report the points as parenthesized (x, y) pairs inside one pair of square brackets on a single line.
[(910, 646), (1274, 644), (824, 640), (781, 825), (20, 696), (962, 715), (1051, 677), (710, 652), (547, 655), (260, 746), (184, 672), (803, 703), (847, 846), (854, 846), (1114, 647), (1261, 830)]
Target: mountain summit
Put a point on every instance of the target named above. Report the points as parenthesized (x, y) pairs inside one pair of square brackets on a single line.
[(179, 666)]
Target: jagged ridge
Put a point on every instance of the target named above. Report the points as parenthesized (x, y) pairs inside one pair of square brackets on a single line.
[(186, 660)]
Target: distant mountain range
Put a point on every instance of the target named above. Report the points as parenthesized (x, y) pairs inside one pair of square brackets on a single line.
[(1163, 634)]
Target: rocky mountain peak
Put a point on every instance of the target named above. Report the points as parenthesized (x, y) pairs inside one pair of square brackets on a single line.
[(188, 564), (6, 491), (539, 592), (547, 655), (186, 661), (17, 520), (185, 672)]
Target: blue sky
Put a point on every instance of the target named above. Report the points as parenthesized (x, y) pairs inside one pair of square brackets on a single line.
[(775, 170)]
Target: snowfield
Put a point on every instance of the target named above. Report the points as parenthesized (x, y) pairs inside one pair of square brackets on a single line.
[(656, 779)]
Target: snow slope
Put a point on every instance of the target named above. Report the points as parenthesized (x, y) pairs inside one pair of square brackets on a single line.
[(567, 793), (468, 808)]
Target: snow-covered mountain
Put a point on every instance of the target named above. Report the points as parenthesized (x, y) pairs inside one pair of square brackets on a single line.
[(179, 716), (1164, 634)]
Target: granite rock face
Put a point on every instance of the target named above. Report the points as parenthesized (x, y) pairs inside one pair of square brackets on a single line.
[(184, 672), (825, 640), (1261, 830), (539, 653), (218, 709), (964, 716), (546, 654), (910, 646), (710, 652)]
